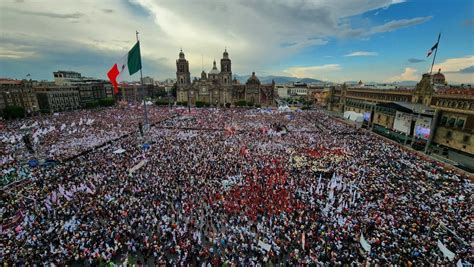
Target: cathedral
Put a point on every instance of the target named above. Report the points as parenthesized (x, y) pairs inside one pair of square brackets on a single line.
[(217, 87)]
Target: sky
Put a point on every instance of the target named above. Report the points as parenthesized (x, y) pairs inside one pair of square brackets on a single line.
[(331, 40)]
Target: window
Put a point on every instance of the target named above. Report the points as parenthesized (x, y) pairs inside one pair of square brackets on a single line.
[(451, 122), (460, 123), (444, 120), (449, 134), (466, 139)]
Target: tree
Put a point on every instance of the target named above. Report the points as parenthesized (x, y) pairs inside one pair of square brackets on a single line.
[(174, 90), (241, 103), (162, 102), (92, 104), (13, 112), (107, 102), (200, 104)]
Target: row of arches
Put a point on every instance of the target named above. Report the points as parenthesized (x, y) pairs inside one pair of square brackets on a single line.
[(455, 104)]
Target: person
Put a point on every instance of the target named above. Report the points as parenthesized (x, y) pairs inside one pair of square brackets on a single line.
[(304, 197)]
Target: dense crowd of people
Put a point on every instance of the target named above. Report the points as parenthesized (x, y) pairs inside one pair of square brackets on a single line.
[(233, 186), (65, 135)]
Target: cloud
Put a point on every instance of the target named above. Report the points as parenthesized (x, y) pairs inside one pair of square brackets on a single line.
[(398, 24), (311, 71), (455, 64), (259, 34), (469, 22), (5, 54), (361, 54), (469, 69), (415, 60), (409, 74), (457, 70), (347, 31), (75, 15)]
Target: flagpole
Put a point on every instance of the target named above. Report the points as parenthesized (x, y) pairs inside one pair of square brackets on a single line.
[(434, 57), (147, 126)]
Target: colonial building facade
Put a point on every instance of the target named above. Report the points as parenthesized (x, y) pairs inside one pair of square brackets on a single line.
[(217, 87), (450, 109), (18, 93)]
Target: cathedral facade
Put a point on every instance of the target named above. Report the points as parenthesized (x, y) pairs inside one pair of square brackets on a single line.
[(217, 87)]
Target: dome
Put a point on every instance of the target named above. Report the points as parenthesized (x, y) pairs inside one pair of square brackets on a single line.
[(181, 54), (214, 69), (438, 75), (253, 79), (226, 55)]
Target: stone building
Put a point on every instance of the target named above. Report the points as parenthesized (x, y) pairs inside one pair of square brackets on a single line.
[(449, 109), (217, 87), (455, 125), (55, 98), (18, 93)]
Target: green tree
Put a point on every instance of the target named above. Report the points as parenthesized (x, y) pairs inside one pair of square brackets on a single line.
[(92, 104), (13, 112), (241, 103), (174, 89), (162, 102), (200, 104), (107, 102)]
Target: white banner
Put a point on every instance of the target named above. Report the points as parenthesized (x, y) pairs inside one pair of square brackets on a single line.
[(402, 122), (365, 245), (446, 252), (136, 167)]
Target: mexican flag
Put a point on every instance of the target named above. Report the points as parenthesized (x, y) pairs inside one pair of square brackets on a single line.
[(435, 46), (125, 67)]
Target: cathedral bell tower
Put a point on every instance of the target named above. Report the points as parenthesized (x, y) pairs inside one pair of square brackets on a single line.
[(183, 76), (226, 70)]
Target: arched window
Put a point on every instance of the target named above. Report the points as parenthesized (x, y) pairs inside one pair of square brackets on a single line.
[(182, 80)]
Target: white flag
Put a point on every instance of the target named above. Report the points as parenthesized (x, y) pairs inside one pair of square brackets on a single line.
[(446, 252), (365, 245)]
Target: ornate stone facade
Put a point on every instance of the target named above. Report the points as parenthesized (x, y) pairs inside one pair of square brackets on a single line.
[(453, 106), (218, 88)]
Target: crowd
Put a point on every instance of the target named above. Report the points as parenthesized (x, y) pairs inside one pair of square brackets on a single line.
[(229, 186), (63, 135)]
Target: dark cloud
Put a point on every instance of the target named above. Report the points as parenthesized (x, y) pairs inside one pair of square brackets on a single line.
[(467, 70), (76, 15), (415, 60)]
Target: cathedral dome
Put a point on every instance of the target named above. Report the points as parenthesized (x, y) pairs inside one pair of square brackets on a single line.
[(226, 55), (253, 79), (181, 54)]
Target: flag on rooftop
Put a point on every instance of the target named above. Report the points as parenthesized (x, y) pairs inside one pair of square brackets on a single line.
[(435, 46), (125, 67)]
